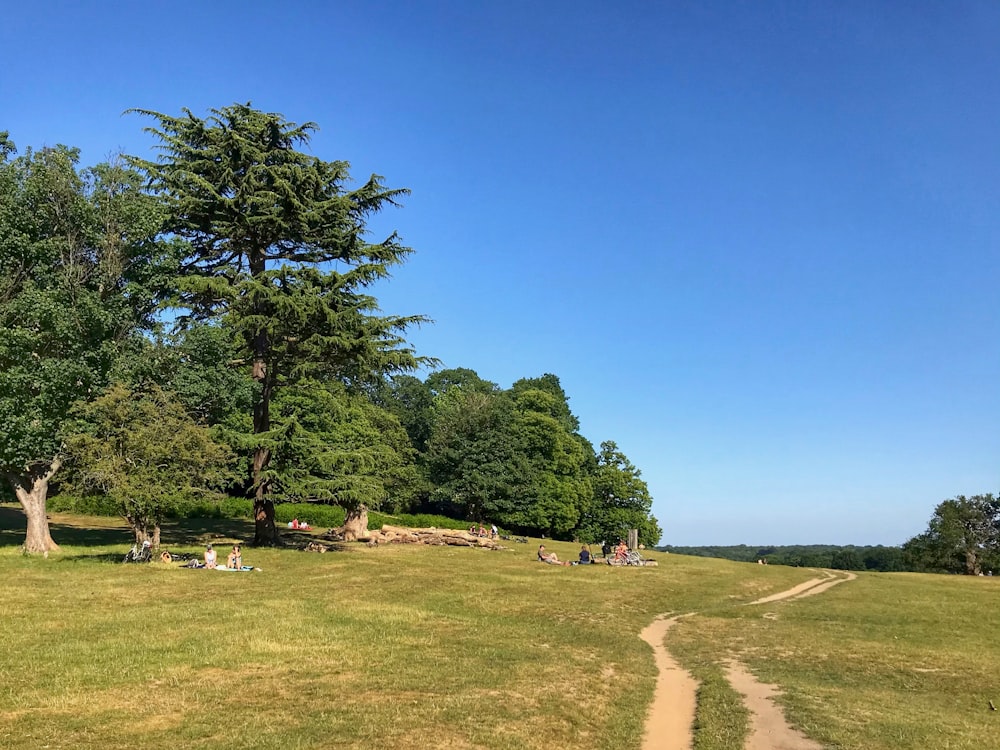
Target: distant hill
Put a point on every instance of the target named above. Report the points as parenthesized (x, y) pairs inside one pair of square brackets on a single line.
[(886, 559)]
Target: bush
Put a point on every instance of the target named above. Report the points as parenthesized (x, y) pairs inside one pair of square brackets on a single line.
[(314, 514), (86, 505)]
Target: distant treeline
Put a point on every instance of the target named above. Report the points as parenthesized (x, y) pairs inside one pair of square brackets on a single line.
[(886, 559)]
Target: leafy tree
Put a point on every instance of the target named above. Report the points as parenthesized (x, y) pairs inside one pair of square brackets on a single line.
[(79, 275), (277, 251), (440, 381), (846, 559), (206, 375), (558, 482), (146, 453), (621, 501), (336, 446), (412, 402), (884, 559), (963, 535), (473, 458), (557, 407)]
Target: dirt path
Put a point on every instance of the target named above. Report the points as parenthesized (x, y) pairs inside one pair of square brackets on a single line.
[(672, 714), (670, 723), (768, 728)]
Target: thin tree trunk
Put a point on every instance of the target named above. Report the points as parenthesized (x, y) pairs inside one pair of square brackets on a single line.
[(32, 491)]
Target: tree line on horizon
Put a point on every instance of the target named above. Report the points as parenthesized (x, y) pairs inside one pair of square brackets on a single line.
[(963, 537), (202, 325), (838, 557)]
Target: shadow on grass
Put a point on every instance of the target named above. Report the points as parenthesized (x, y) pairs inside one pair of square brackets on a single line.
[(175, 534), (13, 525)]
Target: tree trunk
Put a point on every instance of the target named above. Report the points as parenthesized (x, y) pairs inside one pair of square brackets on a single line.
[(972, 566), (355, 523), (144, 532), (265, 529), (32, 490)]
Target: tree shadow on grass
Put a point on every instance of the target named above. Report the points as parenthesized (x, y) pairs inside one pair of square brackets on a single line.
[(13, 525), (197, 532), (176, 535)]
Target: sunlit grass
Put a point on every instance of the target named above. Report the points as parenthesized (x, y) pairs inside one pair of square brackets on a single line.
[(895, 661), (415, 647)]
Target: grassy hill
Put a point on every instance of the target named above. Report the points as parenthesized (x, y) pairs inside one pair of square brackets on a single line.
[(415, 647)]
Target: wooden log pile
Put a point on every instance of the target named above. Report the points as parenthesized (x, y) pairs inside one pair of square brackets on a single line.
[(451, 537)]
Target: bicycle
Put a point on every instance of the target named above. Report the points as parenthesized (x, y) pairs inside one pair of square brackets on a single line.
[(139, 553)]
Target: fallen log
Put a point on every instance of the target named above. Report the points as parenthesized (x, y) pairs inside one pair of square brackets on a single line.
[(434, 536)]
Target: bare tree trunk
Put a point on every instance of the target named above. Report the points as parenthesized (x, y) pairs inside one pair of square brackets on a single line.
[(265, 529), (144, 532), (972, 566), (265, 532), (355, 523), (139, 533), (32, 491)]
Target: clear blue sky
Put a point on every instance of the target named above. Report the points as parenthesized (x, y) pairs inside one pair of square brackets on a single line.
[(757, 241)]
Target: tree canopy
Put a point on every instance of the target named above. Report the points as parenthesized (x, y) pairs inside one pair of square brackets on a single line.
[(80, 274), (280, 379), (963, 536), (277, 249)]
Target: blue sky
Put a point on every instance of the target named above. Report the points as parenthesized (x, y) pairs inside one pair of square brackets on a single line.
[(757, 241)]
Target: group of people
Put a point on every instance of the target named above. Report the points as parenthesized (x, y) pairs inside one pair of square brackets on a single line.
[(552, 558), (234, 561), (617, 555), (484, 533)]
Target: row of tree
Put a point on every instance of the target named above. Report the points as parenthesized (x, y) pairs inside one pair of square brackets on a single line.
[(963, 536), (838, 557), (280, 379)]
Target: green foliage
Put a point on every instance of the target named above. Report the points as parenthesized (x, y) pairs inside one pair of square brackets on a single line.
[(208, 376), (877, 558), (557, 479), (515, 458), (557, 405), (79, 275), (621, 501), (89, 505), (278, 253), (412, 402), (440, 381), (144, 452), (335, 446), (472, 457), (963, 536)]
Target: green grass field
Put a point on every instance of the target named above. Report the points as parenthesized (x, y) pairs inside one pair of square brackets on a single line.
[(416, 647)]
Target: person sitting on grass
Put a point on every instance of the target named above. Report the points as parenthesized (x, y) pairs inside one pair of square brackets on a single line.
[(210, 557), (235, 559), (549, 557), (585, 558), (621, 552)]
